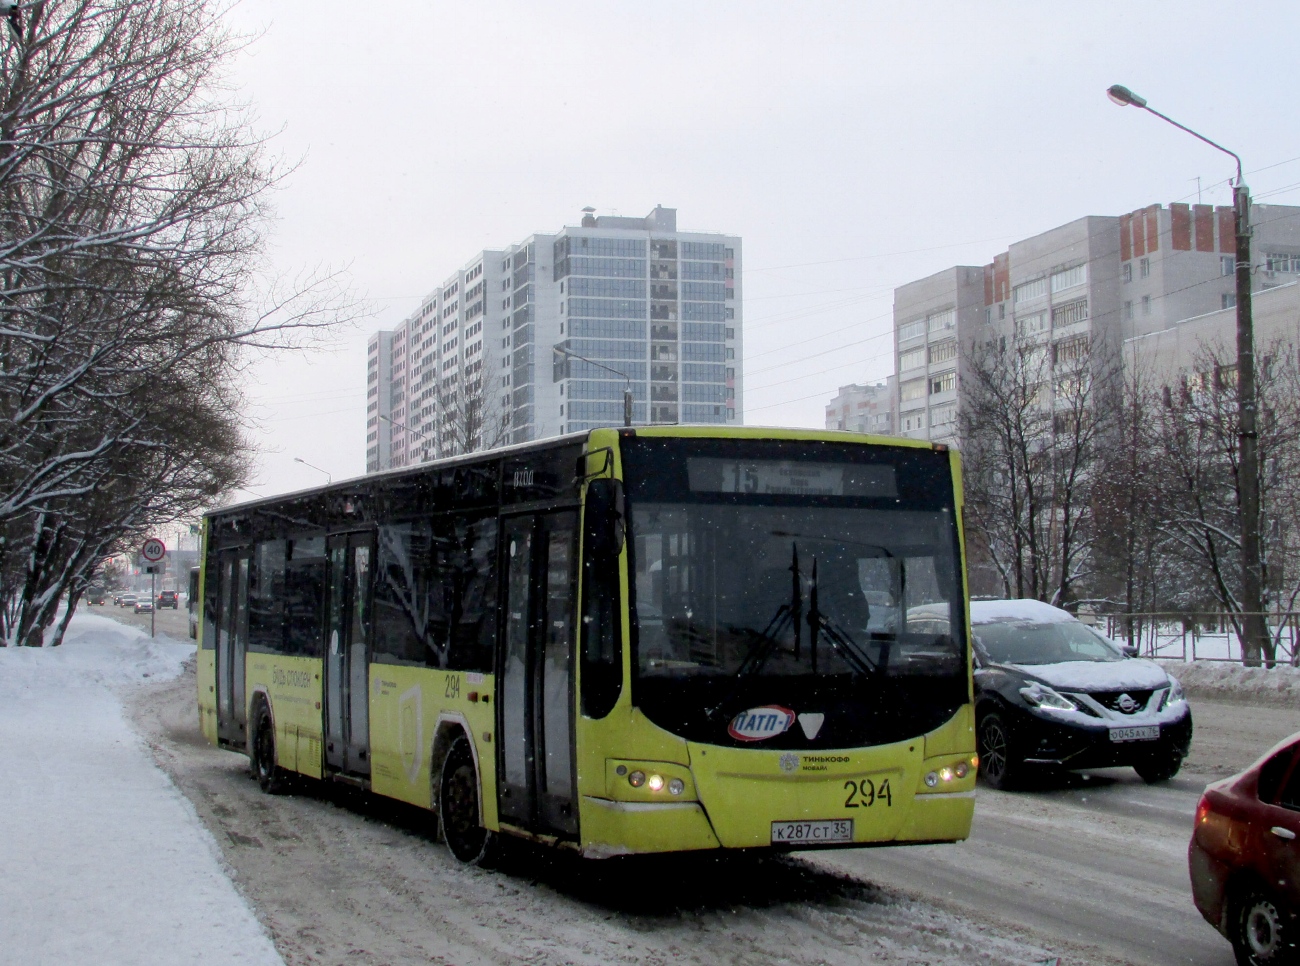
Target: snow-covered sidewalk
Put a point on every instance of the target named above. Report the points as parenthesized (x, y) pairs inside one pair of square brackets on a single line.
[(102, 860)]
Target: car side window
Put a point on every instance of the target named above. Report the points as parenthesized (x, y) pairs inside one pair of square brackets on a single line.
[(1272, 774), (1290, 796)]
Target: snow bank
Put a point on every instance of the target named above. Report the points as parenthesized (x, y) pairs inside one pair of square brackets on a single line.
[(104, 860), (96, 650), (1227, 681)]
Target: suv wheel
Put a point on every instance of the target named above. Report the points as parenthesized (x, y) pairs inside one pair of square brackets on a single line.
[(998, 765), (458, 808), (1159, 768)]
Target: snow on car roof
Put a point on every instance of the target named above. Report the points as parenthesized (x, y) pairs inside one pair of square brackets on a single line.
[(1032, 611)]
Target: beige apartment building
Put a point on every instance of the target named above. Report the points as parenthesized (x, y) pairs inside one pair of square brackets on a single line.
[(863, 409), (1108, 278)]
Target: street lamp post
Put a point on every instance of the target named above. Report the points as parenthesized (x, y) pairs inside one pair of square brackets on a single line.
[(1254, 630), (627, 388), (328, 476)]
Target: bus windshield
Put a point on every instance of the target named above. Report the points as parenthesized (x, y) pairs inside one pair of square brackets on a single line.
[(762, 590), (795, 574)]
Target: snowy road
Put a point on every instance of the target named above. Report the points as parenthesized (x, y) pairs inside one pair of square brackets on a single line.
[(1092, 870), (338, 878), (1099, 859)]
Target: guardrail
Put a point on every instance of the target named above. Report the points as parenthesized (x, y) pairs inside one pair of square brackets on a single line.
[(1202, 636)]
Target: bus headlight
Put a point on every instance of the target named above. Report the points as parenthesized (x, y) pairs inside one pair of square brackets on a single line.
[(636, 779), (656, 783), (961, 770), (676, 786), (932, 779)]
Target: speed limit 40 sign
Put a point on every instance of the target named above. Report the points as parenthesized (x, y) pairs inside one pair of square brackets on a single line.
[(153, 550)]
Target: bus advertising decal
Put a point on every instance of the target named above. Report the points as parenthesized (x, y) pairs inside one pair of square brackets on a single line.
[(758, 724)]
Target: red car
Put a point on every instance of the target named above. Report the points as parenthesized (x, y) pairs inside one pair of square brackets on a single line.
[(1244, 857)]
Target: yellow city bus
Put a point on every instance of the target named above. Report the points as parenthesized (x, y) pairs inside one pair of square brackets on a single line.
[(623, 641)]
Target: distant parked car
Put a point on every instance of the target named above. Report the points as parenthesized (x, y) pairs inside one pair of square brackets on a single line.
[(144, 606), (1244, 855), (126, 600), (1052, 692), (168, 598)]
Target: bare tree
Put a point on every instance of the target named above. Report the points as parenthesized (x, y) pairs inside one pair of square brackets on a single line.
[(1201, 495), (1128, 503), (1031, 432), (470, 417), (132, 224)]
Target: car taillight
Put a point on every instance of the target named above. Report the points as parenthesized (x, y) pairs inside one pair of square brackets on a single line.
[(1202, 810)]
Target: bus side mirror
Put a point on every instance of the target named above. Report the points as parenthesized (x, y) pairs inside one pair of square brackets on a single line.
[(605, 516)]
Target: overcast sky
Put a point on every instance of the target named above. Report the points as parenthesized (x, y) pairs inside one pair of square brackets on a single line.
[(853, 146)]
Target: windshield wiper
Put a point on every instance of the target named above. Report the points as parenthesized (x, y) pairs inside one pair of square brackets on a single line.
[(786, 615), (844, 645), (760, 650)]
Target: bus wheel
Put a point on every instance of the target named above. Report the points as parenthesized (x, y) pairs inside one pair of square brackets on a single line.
[(458, 808), (270, 776)]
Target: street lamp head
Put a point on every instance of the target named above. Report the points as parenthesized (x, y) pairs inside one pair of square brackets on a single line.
[(1124, 97)]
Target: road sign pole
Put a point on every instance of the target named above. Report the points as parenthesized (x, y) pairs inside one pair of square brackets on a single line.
[(153, 598)]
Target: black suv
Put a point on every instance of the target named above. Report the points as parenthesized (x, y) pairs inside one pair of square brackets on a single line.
[(167, 598)]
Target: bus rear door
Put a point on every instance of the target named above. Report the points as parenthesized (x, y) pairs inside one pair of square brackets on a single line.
[(232, 645)]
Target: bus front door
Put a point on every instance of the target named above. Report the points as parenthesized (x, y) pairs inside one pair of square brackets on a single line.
[(232, 646), (535, 699), (347, 654)]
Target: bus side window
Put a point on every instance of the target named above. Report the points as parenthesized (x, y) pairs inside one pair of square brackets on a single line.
[(602, 630)]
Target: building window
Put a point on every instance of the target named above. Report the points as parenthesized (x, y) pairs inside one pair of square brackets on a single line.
[(1069, 351), (1228, 300), (988, 315), (1070, 313), (1128, 311), (1277, 262), (1029, 290), (944, 382), (731, 354), (941, 321), (1069, 278), (1144, 267), (730, 333), (1227, 264), (1002, 311), (911, 330), (911, 359), (912, 389), (1128, 272), (1031, 325), (943, 351), (1146, 305)]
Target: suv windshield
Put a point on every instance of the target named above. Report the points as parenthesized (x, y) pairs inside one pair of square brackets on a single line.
[(1023, 642), (811, 584)]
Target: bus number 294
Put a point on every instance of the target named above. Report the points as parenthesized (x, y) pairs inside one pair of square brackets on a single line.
[(866, 793)]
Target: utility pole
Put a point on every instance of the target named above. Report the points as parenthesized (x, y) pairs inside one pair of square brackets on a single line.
[(1254, 629)]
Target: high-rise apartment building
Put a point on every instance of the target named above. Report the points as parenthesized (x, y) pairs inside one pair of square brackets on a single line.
[(863, 409), (1099, 280), (544, 336)]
